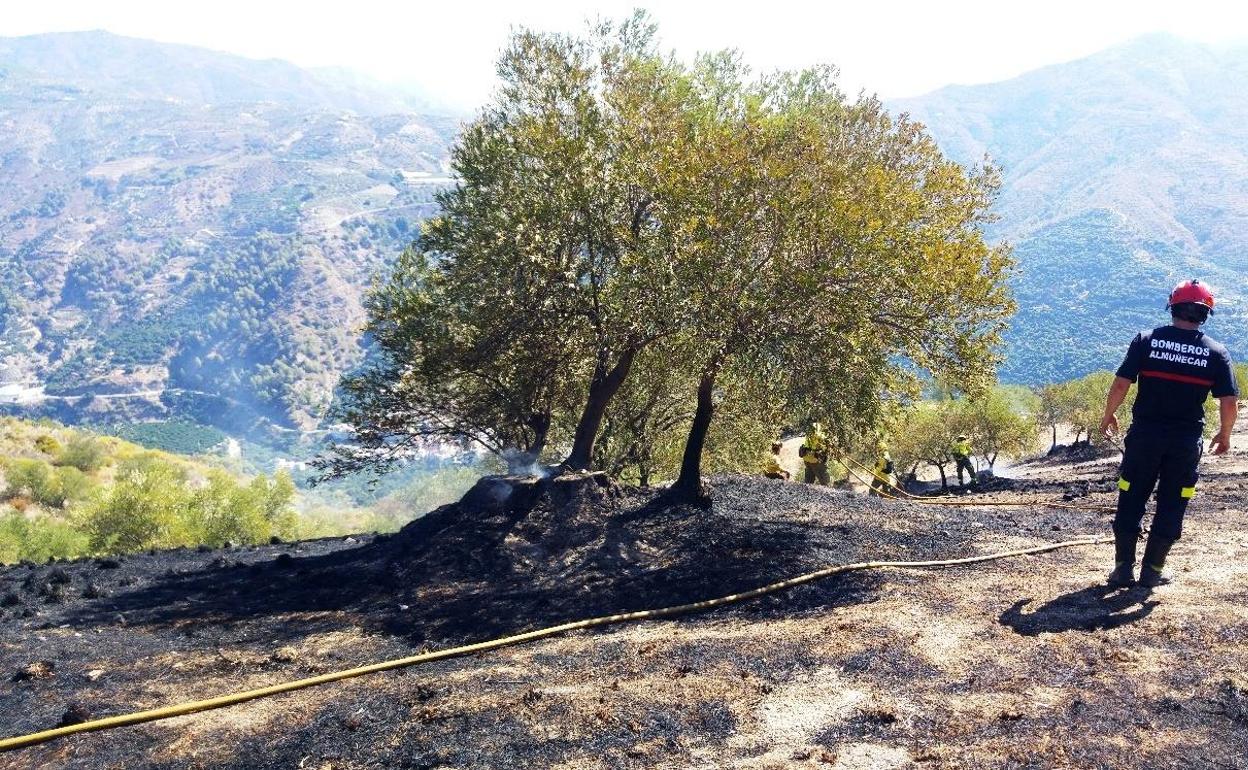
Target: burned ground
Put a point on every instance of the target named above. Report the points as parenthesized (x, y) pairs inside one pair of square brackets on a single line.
[(1023, 663)]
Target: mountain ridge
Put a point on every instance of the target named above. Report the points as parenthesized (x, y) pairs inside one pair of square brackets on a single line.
[(128, 67), (1145, 147), (215, 234)]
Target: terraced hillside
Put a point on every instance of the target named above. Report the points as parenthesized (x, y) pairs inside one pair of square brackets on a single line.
[(179, 222), (1122, 174)]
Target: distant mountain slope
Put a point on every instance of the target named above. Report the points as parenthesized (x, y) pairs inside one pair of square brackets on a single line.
[(107, 65), (1123, 173), (176, 220)]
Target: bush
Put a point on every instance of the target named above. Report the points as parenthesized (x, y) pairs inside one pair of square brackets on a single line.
[(224, 511), (84, 453), (152, 506), (39, 539), (142, 510), (72, 485), (27, 478), (39, 482), (47, 445)]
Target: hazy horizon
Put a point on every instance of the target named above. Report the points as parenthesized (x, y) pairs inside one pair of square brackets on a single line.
[(896, 50)]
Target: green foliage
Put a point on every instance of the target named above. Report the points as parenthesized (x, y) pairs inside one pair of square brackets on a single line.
[(531, 285), (83, 452), (925, 434), (224, 511), (151, 505), (1079, 405), (72, 485), (28, 478), (38, 538), (1001, 421), (633, 239), (48, 445), (177, 436), (143, 509), (156, 500), (39, 482)]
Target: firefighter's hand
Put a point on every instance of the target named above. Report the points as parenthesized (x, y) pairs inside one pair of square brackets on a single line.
[(1220, 445), (1109, 426)]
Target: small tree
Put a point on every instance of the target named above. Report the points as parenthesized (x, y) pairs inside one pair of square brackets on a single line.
[(1084, 401), (143, 509), (827, 243), (1051, 411), (996, 424), (542, 275), (925, 434), (83, 452)]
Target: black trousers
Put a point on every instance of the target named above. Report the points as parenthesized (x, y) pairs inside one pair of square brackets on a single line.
[(964, 462), (817, 473), (1164, 458)]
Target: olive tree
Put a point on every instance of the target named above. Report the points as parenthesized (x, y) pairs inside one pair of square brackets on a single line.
[(541, 280), (828, 244)]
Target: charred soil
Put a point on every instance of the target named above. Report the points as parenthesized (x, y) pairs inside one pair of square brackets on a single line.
[(1030, 662)]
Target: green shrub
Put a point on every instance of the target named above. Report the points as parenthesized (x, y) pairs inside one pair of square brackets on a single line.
[(151, 505), (29, 478), (151, 461), (48, 486), (39, 538), (48, 445), (72, 485), (144, 509), (227, 511), (84, 453)]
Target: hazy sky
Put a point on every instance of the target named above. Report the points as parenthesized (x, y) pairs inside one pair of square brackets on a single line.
[(448, 46)]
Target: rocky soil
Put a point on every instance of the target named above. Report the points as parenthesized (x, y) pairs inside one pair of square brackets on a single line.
[(1029, 662)]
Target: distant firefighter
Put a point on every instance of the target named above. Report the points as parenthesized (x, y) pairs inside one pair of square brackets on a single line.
[(814, 454), (961, 451), (883, 470), (772, 468), (1176, 367)]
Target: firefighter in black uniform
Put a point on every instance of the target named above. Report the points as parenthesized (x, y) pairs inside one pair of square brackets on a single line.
[(1176, 367)]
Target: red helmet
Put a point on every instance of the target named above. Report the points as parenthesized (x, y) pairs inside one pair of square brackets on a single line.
[(1191, 291)]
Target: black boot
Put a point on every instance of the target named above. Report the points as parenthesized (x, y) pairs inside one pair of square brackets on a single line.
[(1124, 559), (1155, 554)]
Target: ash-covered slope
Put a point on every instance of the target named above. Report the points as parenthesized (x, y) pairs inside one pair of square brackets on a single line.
[(1028, 662)]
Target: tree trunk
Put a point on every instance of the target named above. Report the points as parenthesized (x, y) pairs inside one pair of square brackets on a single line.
[(605, 384), (1054, 446), (526, 461), (992, 461), (944, 483), (688, 484)]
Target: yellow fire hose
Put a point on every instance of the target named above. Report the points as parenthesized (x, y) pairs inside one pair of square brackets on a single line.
[(846, 460), (191, 707)]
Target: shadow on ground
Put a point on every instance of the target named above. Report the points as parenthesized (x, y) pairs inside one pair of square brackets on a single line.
[(1088, 609), (543, 555)]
